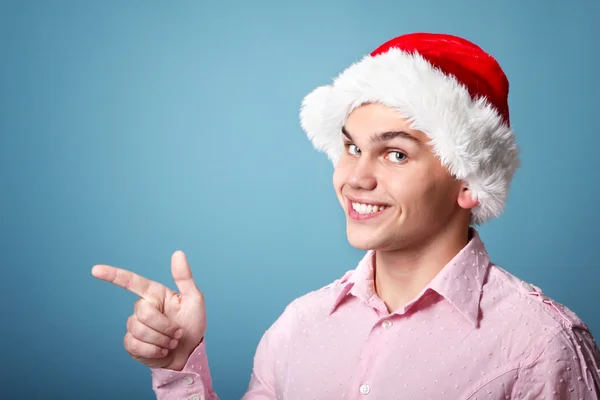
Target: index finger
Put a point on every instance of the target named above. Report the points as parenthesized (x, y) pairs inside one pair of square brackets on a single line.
[(128, 280)]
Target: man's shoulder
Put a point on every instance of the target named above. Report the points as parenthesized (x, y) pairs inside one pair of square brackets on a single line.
[(516, 298), (322, 299), (549, 332)]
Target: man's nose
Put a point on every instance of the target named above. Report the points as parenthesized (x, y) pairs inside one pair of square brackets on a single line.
[(362, 175)]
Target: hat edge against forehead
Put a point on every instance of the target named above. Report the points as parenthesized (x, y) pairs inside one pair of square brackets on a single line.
[(470, 135)]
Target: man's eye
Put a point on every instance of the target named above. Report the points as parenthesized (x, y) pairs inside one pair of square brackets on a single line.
[(352, 149), (397, 156)]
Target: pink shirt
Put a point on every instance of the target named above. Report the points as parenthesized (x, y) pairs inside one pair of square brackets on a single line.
[(475, 332)]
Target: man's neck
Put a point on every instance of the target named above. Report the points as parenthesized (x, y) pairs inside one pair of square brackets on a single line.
[(401, 275)]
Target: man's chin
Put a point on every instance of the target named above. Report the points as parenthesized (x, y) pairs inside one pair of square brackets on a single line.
[(362, 242)]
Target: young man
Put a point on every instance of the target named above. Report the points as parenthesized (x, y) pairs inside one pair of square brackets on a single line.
[(419, 135)]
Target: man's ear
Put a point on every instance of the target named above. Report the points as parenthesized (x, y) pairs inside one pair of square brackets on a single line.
[(465, 197)]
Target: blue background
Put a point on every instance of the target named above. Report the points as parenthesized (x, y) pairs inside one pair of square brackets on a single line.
[(132, 129)]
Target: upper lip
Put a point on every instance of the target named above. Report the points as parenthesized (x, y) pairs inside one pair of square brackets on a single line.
[(365, 201)]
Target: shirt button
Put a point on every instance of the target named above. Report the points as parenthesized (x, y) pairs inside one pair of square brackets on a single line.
[(365, 389), (188, 380), (386, 324)]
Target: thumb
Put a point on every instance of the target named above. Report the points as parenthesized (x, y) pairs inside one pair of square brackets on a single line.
[(182, 274)]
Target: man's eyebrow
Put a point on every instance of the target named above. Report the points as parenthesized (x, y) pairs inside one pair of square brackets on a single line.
[(386, 136)]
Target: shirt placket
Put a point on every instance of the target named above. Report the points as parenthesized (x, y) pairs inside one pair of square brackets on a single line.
[(362, 385)]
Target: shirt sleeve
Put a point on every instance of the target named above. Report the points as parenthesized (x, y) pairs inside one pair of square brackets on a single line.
[(566, 369), (270, 356), (193, 382)]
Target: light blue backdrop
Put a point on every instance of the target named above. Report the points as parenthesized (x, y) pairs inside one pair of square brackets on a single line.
[(130, 129)]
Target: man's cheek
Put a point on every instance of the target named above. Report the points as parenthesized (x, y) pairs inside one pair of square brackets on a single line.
[(337, 181)]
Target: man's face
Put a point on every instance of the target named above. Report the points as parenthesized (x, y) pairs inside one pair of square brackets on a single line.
[(418, 195)]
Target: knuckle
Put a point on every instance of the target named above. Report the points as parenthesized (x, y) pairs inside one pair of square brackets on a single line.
[(139, 303), (170, 329), (127, 280), (129, 343), (144, 314), (130, 322), (136, 330)]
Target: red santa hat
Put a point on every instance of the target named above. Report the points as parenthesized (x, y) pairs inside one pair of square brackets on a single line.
[(445, 86)]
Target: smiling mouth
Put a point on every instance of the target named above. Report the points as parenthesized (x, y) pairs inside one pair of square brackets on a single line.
[(366, 208), (361, 211)]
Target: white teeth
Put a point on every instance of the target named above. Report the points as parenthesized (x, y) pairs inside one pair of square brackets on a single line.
[(366, 208)]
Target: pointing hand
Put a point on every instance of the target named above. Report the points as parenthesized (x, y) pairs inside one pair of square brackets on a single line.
[(165, 326)]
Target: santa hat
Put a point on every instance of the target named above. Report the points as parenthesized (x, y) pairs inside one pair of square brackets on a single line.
[(445, 86)]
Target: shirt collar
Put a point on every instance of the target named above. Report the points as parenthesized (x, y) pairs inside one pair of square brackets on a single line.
[(460, 282)]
